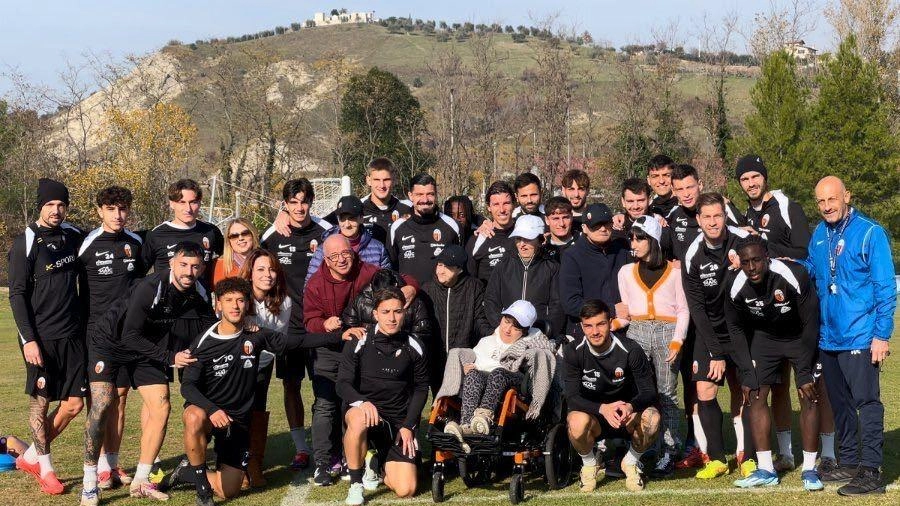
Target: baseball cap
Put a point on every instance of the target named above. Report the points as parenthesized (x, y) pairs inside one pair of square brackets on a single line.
[(453, 256), (349, 204), (523, 312), (650, 226), (596, 214), (751, 163), (528, 226)]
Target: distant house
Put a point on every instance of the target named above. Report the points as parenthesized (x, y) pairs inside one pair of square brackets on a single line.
[(801, 52), (323, 19)]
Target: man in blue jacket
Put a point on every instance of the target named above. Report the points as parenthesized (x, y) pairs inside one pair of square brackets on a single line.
[(850, 260)]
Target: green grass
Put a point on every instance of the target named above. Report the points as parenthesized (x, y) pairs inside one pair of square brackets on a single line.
[(18, 488)]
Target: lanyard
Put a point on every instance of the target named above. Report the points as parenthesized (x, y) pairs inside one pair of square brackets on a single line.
[(835, 250)]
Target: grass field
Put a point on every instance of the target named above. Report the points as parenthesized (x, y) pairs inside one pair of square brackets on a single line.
[(289, 488)]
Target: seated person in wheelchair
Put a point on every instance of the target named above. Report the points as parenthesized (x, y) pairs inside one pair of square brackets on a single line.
[(610, 390), (499, 361), (384, 378)]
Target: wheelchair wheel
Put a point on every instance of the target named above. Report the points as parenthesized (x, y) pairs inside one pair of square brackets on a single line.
[(559, 459), (475, 471), (437, 486), (516, 488)]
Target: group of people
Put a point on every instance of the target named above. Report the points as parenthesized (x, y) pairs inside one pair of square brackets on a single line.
[(380, 301)]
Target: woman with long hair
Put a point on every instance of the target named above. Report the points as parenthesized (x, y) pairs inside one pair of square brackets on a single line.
[(657, 320), (241, 237)]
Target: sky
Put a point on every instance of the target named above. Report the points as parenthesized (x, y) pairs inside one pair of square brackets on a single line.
[(39, 38)]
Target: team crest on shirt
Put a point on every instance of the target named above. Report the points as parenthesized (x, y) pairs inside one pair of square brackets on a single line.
[(395, 215), (733, 257), (99, 367), (619, 375), (764, 220), (41, 383), (313, 245), (695, 367), (398, 352), (779, 295), (436, 235), (127, 250), (206, 243), (248, 347), (840, 248)]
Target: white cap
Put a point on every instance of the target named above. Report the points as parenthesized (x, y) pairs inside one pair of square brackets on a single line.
[(522, 311), (528, 226), (650, 226)]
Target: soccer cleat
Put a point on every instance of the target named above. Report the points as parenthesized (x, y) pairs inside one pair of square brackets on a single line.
[(90, 497), (784, 464), (712, 469), (634, 481), (122, 476), (665, 466), (301, 460), (156, 476), (759, 478), (32, 469), (811, 481), (371, 478), (146, 490), (590, 477), (355, 495), (174, 478), (838, 474), (50, 484), (692, 459), (747, 467), (106, 480), (867, 481), (322, 476)]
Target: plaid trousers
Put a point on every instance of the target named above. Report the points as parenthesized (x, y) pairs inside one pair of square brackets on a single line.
[(654, 336)]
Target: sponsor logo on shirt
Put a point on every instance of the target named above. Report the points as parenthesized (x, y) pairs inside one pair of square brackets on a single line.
[(410, 238), (105, 271), (106, 254), (170, 246), (248, 364), (104, 262)]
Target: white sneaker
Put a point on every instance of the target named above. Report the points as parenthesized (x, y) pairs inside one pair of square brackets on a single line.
[(355, 495), (371, 478), (90, 497), (481, 421)]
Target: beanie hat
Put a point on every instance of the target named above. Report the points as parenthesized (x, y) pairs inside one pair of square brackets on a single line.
[(49, 190), (750, 163)]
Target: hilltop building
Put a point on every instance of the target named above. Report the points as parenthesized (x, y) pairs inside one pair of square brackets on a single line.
[(801, 52), (323, 19)]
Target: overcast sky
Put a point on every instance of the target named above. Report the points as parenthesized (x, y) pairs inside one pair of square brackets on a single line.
[(38, 37)]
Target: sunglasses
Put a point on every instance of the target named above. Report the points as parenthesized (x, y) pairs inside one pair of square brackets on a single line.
[(235, 235)]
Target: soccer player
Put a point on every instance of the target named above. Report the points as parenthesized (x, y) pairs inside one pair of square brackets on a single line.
[(380, 205), (417, 240), (706, 264), (528, 195), (659, 177), (219, 391), (576, 185), (635, 199), (138, 334), (772, 315), (294, 251), (609, 387), (185, 197), (110, 262), (462, 211), (43, 296), (486, 250), (384, 379), (561, 225)]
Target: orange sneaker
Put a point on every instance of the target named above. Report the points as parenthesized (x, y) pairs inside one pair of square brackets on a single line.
[(32, 469), (693, 459), (50, 484)]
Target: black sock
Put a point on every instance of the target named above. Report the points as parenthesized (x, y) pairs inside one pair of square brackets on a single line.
[(356, 475), (690, 440), (711, 420), (200, 480)]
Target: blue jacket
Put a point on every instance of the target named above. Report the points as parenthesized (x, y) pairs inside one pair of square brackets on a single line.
[(590, 272), (371, 251), (863, 307)]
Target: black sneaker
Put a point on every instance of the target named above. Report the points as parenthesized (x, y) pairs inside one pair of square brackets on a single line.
[(205, 500), (826, 465), (322, 476), (837, 473), (665, 466), (866, 481), (175, 478)]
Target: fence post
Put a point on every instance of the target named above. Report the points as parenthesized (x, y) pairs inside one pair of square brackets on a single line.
[(345, 186), (212, 199), (237, 204)]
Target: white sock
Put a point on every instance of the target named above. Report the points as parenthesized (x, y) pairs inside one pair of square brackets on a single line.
[(103, 464), (827, 445), (738, 433), (112, 459), (31, 455), (46, 464), (90, 477), (699, 435), (142, 473), (809, 460), (784, 444), (764, 461), (298, 434), (632, 457), (588, 459)]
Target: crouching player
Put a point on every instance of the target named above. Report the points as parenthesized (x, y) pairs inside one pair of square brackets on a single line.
[(610, 389), (772, 314), (219, 390)]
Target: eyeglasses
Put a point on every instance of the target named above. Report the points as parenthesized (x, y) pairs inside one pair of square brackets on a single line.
[(334, 257), (235, 235)]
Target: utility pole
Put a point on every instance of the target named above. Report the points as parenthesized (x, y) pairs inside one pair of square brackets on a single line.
[(452, 135), (494, 170)]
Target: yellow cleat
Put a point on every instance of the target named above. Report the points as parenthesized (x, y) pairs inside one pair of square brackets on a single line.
[(712, 469), (747, 467)]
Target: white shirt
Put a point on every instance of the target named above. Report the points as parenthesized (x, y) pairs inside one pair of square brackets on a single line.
[(265, 319), (488, 352)]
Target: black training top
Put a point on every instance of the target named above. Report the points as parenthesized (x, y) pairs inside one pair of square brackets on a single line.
[(110, 263), (417, 240), (379, 220), (43, 283), (486, 252), (683, 229), (782, 223), (160, 244)]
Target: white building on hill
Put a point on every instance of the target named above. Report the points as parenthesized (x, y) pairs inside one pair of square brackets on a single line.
[(801, 52), (323, 19)]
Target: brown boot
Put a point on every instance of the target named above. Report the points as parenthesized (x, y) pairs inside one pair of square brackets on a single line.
[(259, 431)]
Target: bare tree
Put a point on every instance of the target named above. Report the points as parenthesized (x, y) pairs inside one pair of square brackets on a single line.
[(783, 22)]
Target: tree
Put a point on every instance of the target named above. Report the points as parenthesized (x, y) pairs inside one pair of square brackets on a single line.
[(381, 117)]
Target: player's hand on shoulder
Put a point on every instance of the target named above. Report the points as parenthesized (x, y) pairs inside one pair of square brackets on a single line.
[(354, 333)]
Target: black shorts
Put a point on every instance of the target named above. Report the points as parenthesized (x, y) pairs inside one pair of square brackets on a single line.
[(383, 439), (702, 358), (768, 354), (109, 367), (62, 375), (232, 445), (292, 365)]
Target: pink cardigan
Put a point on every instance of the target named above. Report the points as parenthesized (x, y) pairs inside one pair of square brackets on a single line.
[(663, 301)]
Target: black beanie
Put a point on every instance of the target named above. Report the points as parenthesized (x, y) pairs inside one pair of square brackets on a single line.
[(750, 163), (50, 190)]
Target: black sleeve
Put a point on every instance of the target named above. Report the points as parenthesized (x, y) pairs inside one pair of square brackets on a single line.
[(693, 291), (191, 392), (279, 343), (557, 315), (492, 304), (639, 365), (809, 313), (133, 328), (572, 384), (800, 235), (347, 372), (392, 247), (421, 383), (218, 241), (471, 264), (665, 244), (482, 327), (741, 345), (351, 316), (148, 252), (421, 328), (734, 217), (20, 274)]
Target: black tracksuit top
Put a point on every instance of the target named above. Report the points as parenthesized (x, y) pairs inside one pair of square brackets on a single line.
[(683, 229), (159, 246), (110, 263), (486, 252), (782, 223), (417, 240), (377, 220)]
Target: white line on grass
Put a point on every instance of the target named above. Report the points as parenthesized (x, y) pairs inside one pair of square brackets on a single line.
[(298, 491), (457, 498)]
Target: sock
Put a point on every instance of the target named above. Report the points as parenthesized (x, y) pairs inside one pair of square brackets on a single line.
[(142, 473), (356, 475), (784, 444), (711, 419), (809, 460), (588, 459), (690, 441), (632, 457), (31, 455), (738, 434), (298, 434), (112, 460), (201, 481), (46, 464), (699, 435), (764, 461), (103, 464), (90, 477), (827, 445)]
